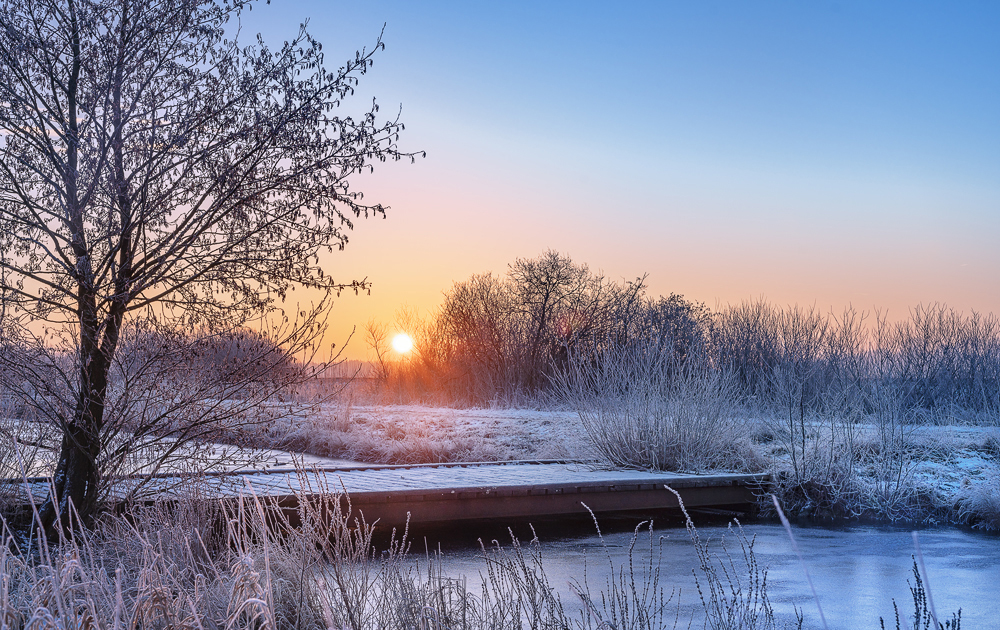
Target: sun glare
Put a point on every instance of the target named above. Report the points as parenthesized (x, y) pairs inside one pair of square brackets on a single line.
[(402, 343)]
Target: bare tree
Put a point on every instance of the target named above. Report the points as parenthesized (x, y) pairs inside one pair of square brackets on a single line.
[(377, 340), (499, 338), (150, 166)]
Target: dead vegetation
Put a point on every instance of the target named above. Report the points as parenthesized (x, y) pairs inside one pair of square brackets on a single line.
[(832, 404), (202, 564), (642, 408)]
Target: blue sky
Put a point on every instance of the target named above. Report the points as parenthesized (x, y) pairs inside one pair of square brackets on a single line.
[(810, 152)]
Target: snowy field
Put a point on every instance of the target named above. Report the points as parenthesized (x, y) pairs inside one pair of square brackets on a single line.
[(944, 463), (957, 457), (408, 434)]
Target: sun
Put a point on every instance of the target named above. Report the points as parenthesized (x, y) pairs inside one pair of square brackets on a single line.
[(402, 343)]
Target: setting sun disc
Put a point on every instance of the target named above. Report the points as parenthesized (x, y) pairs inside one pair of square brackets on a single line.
[(402, 343)]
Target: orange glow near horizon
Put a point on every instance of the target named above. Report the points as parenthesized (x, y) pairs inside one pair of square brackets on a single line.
[(449, 219), (821, 157)]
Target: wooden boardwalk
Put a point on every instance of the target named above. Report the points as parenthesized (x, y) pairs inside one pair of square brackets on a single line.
[(448, 493)]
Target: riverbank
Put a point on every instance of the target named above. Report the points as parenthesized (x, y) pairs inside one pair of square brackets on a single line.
[(917, 474), (203, 564)]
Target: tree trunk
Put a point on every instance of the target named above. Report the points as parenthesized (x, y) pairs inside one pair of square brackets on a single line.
[(76, 481)]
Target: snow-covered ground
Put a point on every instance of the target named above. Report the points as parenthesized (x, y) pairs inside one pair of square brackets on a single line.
[(952, 462), (945, 454), (516, 433), (402, 434), (957, 457)]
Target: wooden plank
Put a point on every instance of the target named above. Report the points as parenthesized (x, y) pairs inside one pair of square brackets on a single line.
[(449, 493)]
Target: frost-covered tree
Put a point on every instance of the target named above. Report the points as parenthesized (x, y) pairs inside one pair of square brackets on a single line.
[(152, 164)]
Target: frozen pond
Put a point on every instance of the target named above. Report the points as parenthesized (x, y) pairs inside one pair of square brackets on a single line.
[(857, 571)]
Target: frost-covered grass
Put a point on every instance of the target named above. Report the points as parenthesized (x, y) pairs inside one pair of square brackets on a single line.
[(201, 564), (906, 473), (927, 474), (409, 434), (642, 410), (198, 564), (979, 503)]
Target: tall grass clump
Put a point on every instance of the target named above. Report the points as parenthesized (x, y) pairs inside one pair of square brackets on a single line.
[(623, 603), (203, 564), (643, 408), (733, 592), (200, 564), (979, 504), (924, 617)]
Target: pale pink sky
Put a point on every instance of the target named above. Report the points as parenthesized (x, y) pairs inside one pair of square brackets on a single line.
[(809, 153), (448, 221)]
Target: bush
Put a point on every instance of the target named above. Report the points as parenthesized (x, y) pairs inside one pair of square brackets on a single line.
[(642, 408), (979, 504), (938, 364), (499, 340)]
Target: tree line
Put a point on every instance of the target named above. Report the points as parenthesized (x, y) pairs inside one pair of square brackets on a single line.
[(502, 338)]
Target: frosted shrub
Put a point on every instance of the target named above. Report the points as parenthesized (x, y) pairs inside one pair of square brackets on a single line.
[(979, 504), (642, 408)]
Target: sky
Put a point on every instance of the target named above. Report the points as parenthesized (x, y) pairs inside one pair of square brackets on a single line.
[(816, 153)]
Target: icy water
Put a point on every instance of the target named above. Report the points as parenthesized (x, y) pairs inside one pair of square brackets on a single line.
[(857, 571)]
